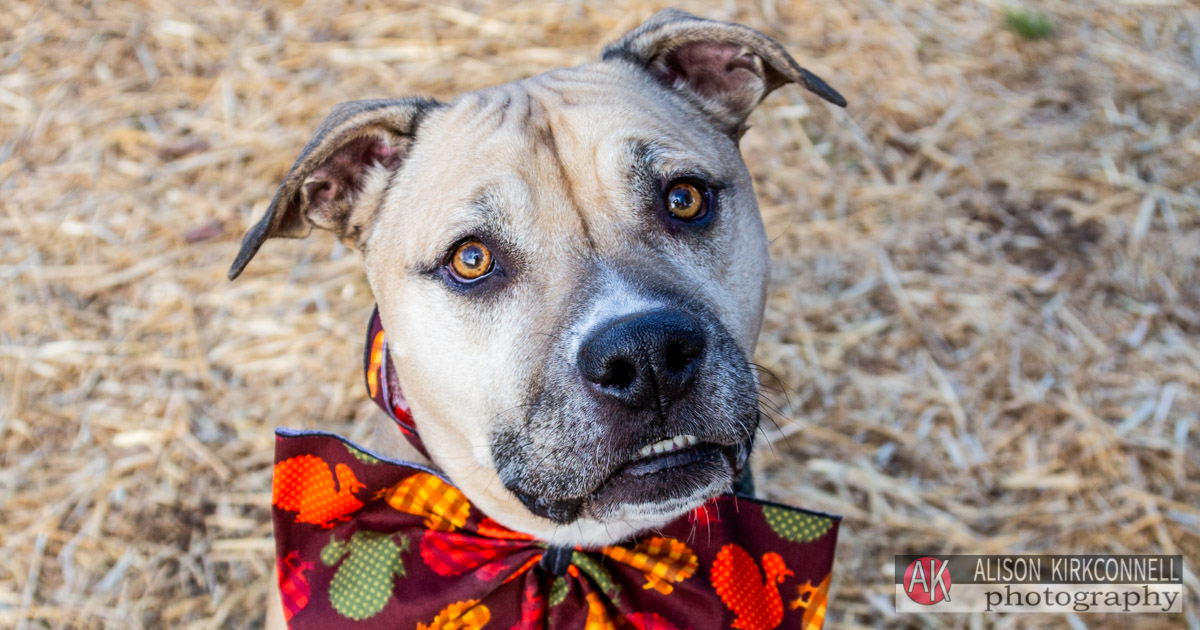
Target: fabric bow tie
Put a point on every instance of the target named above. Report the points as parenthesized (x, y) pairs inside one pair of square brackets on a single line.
[(367, 542)]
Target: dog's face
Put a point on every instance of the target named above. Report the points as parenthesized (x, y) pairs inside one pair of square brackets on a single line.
[(571, 269), (606, 323)]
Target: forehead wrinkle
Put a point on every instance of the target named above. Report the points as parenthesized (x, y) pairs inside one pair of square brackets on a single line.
[(488, 109), (544, 135)]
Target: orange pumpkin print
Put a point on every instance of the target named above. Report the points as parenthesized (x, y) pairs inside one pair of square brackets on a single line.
[(468, 615), (598, 617)]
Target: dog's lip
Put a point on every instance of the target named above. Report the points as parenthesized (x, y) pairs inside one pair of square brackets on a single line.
[(674, 456), (664, 477), (674, 468)]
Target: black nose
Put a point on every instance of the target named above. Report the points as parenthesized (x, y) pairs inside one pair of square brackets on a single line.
[(644, 359)]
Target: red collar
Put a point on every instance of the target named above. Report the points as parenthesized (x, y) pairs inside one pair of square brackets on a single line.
[(382, 384)]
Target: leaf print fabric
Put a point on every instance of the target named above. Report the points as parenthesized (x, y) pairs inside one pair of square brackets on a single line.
[(294, 589), (363, 582), (304, 485), (365, 542), (796, 526)]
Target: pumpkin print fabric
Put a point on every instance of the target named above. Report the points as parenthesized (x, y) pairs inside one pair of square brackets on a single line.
[(365, 542)]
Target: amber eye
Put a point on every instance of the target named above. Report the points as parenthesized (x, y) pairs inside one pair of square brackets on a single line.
[(686, 201), (471, 261)]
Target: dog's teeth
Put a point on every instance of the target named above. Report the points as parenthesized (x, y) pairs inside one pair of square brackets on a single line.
[(666, 446)]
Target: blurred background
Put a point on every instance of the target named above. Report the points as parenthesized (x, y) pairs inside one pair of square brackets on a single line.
[(984, 316)]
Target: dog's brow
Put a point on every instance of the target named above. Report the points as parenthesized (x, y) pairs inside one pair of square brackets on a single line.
[(646, 158), (485, 203), (646, 153), (480, 216), (653, 160)]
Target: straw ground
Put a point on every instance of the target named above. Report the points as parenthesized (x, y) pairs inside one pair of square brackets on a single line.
[(984, 313)]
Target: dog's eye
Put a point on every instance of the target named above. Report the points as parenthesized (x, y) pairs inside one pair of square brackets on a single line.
[(687, 201), (471, 261)]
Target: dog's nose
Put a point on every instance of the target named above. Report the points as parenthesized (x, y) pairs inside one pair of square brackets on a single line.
[(644, 359)]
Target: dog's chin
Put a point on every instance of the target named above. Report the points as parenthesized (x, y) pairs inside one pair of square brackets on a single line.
[(643, 494), (607, 520)]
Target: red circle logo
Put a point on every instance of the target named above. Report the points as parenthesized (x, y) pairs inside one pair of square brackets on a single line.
[(927, 581)]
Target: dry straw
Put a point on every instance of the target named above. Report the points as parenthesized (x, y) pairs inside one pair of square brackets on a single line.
[(985, 304)]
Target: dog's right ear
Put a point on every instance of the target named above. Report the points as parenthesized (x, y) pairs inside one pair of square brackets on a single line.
[(335, 183), (728, 69)]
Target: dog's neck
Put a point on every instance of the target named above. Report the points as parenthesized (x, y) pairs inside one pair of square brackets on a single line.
[(389, 441)]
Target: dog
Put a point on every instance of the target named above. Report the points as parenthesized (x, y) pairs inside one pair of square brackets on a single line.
[(571, 269)]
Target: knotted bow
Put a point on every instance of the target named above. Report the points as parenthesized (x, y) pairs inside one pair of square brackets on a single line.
[(367, 542)]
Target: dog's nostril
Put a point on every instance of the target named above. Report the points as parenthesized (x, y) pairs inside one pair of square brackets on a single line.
[(679, 355), (620, 374)]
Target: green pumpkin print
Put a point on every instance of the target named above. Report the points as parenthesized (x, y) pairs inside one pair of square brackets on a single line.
[(795, 526), (362, 455), (598, 573), (363, 584), (558, 591)]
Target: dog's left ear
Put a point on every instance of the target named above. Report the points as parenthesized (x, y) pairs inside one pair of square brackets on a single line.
[(335, 183), (728, 68)]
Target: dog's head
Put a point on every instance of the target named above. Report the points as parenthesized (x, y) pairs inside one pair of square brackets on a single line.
[(571, 270)]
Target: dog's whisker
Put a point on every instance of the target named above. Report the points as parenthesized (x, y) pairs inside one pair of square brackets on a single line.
[(707, 523), (770, 440), (769, 405), (781, 388)]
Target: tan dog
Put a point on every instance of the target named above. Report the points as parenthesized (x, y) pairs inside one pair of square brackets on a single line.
[(571, 269)]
